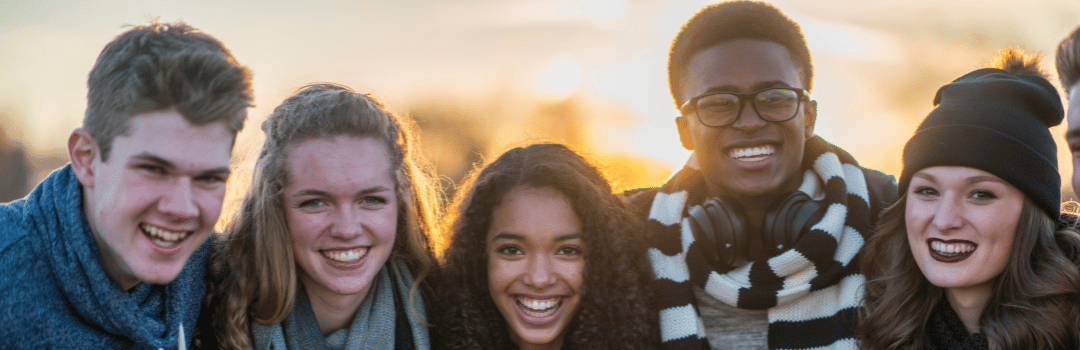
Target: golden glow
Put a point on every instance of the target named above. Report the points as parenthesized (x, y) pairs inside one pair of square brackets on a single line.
[(560, 78), (483, 76)]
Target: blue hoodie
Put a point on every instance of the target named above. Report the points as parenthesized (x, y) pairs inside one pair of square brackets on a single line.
[(54, 293)]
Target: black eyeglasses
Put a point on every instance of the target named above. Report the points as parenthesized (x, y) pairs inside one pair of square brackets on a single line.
[(778, 104)]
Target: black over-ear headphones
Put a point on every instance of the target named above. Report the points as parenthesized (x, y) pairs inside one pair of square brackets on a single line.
[(719, 223)]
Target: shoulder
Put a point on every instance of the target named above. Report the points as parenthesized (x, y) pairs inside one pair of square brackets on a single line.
[(640, 199), (13, 224), (882, 188), (18, 255), (31, 302)]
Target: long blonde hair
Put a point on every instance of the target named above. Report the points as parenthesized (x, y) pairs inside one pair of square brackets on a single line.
[(253, 274)]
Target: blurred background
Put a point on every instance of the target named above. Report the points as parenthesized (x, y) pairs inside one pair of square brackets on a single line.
[(483, 76)]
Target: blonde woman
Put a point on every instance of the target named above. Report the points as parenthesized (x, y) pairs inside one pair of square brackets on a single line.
[(335, 227)]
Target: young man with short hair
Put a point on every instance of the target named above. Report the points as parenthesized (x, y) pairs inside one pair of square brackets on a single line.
[(756, 240), (1068, 68), (107, 252)]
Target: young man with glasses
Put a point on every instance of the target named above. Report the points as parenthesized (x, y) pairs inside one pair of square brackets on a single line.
[(108, 252), (756, 240)]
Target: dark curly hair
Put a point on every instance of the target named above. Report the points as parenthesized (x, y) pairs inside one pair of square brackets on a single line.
[(732, 20), (614, 313)]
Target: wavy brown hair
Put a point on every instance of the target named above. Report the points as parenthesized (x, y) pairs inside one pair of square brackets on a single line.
[(1034, 301), (253, 274), (613, 312)]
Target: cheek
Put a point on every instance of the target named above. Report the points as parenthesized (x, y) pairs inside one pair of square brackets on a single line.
[(385, 225), (500, 273), (304, 227), (912, 218), (575, 274), (210, 201)]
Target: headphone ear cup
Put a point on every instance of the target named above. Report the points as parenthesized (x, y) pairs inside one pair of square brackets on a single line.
[(796, 214), (717, 225), (702, 227)]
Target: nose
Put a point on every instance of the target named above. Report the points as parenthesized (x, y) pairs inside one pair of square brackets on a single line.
[(541, 272), (179, 201), (748, 118), (947, 215), (348, 223)]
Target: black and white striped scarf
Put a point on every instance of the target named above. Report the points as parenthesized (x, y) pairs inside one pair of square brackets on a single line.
[(812, 291)]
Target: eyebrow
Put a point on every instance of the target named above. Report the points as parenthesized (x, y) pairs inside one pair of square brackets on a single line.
[(521, 237), (755, 87), (315, 192), (150, 157), (968, 181), (1072, 134)]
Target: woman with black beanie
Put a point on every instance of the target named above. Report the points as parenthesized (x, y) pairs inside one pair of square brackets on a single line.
[(975, 254)]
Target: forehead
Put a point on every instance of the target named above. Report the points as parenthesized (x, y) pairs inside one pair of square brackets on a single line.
[(960, 175), (741, 65), (343, 162), (538, 214), (167, 135)]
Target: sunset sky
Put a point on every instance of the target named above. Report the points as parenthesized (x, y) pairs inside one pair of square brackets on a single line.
[(511, 72)]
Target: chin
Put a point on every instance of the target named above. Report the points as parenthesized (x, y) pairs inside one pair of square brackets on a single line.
[(160, 274)]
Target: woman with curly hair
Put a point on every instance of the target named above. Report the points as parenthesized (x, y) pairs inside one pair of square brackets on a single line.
[(543, 256), (323, 252), (976, 255)]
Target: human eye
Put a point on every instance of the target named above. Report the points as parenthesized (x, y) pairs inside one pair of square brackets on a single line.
[(925, 191), (983, 195), (211, 179), (374, 201), (718, 103), (774, 98), (312, 203), (509, 250), (571, 250), (151, 169)]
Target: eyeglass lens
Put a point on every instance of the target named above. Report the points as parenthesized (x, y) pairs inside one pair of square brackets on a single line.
[(773, 105)]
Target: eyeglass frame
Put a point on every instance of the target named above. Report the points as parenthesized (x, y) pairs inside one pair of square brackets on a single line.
[(743, 97)]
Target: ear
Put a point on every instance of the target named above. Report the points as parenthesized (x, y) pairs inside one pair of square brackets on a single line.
[(83, 151), (811, 117), (684, 133)]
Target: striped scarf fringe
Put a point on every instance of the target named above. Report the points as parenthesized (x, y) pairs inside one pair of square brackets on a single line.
[(812, 291)]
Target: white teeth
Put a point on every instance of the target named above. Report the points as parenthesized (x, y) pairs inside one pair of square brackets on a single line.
[(164, 237), (753, 153), (950, 249), (345, 256), (539, 308)]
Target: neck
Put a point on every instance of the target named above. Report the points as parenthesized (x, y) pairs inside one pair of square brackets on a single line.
[(555, 344), (969, 303), (753, 207), (112, 268), (333, 311)]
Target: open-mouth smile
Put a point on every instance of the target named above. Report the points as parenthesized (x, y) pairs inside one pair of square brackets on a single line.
[(951, 251)]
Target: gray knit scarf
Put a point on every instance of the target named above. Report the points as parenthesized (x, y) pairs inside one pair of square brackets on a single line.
[(372, 328), (812, 291)]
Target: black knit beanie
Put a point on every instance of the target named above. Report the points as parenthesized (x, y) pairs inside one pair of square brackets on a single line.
[(997, 122)]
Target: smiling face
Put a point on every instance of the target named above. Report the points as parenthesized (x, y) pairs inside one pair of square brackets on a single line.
[(961, 223), (536, 258), (156, 199), (341, 211), (751, 157)]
